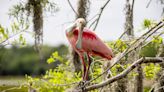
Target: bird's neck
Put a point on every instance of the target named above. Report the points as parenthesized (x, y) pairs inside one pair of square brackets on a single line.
[(79, 39)]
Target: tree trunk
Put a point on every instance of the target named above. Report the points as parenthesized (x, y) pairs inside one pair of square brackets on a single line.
[(76, 62), (160, 80), (129, 20), (139, 79), (160, 77), (35, 8), (121, 85), (129, 35)]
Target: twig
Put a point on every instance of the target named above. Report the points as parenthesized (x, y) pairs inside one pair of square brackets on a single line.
[(92, 17), (101, 11), (121, 36), (11, 37), (72, 7), (93, 23), (148, 3), (132, 8), (125, 72), (156, 90), (151, 41)]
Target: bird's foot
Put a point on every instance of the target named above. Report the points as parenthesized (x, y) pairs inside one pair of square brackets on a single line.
[(82, 85)]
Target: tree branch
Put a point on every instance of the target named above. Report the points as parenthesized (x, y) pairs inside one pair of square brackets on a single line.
[(1, 43), (125, 72), (99, 15), (72, 7), (148, 3), (153, 60)]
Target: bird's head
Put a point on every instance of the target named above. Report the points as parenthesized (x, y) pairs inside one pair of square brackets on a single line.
[(80, 22)]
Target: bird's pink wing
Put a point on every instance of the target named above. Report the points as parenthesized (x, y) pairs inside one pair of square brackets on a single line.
[(92, 44)]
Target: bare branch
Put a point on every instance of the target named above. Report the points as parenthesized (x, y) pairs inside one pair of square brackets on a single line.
[(92, 17), (132, 8), (99, 15), (148, 3), (153, 60), (125, 72), (93, 24), (72, 7), (1, 43)]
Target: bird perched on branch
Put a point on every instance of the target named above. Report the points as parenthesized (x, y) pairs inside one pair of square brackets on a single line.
[(86, 43)]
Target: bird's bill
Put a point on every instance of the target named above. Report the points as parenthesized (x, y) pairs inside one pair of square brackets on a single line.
[(70, 28), (79, 40)]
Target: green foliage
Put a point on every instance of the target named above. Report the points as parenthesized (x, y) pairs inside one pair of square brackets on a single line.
[(14, 34), (55, 56), (117, 69), (151, 49), (147, 23), (49, 6), (22, 11), (56, 80), (22, 40), (4, 34), (96, 69), (147, 89), (120, 45), (62, 77), (151, 70), (18, 60)]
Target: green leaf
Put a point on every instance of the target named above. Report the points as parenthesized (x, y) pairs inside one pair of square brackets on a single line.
[(50, 60), (16, 26), (20, 37), (151, 70), (2, 30), (147, 23), (56, 56)]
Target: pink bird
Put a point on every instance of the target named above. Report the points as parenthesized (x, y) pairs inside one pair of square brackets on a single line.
[(86, 43)]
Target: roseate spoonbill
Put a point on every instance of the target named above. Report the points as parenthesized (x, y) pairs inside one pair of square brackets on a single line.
[(86, 43)]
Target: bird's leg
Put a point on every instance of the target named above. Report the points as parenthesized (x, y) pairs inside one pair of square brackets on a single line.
[(88, 67), (84, 66), (81, 83), (84, 62)]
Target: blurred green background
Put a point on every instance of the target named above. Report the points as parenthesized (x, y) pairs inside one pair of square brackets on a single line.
[(18, 61)]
